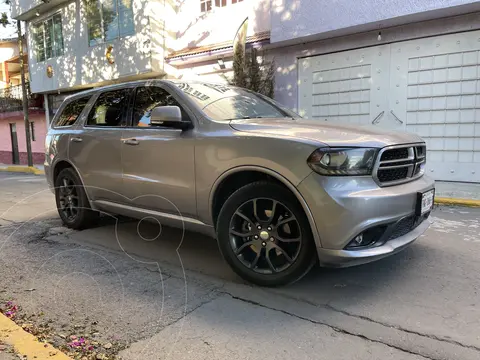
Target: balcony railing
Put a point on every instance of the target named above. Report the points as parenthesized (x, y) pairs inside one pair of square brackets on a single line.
[(11, 98)]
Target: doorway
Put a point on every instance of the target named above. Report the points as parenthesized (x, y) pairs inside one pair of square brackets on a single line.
[(13, 136)]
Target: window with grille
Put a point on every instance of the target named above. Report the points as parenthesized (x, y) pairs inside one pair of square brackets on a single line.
[(206, 5), (48, 38), (108, 20)]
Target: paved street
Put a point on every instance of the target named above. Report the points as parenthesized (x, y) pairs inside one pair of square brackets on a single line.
[(145, 292)]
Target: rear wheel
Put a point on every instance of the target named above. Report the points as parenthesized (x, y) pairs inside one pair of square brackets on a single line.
[(72, 202), (264, 235)]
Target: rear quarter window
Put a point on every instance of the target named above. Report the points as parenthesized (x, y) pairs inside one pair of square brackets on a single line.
[(71, 112)]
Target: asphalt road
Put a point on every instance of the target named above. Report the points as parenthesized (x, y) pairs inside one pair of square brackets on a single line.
[(156, 293)]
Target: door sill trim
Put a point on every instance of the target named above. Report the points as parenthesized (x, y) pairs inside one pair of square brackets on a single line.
[(168, 219)]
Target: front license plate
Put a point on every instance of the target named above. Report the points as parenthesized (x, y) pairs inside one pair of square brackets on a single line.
[(425, 202)]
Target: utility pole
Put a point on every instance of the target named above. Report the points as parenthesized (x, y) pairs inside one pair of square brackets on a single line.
[(24, 95)]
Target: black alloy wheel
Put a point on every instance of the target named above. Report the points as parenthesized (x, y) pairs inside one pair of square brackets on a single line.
[(265, 236), (68, 199), (72, 201)]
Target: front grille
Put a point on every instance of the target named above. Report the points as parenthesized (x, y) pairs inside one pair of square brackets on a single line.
[(400, 164), (387, 175), (395, 154), (406, 225)]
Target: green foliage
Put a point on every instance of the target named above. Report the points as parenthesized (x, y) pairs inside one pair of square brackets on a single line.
[(4, 21), (250, 74), (239, 76)]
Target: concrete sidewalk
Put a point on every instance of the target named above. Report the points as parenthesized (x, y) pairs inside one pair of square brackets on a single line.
[(457, 193)]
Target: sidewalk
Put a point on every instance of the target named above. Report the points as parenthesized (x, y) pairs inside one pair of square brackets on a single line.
[(457, 193), (35, 169)]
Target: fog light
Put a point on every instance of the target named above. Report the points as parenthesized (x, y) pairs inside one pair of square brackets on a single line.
[(358, 239), (367, 238)]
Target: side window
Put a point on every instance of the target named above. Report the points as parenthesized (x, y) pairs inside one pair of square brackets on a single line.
[(148, 98), (71, 112), (109, 109)]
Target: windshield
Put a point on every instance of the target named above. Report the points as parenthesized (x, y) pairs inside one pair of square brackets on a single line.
[(225, 103)]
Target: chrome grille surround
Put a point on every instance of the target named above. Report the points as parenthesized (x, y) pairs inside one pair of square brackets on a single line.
[(402, 166)]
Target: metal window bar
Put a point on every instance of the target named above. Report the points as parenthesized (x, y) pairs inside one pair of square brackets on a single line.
[(11, 98)]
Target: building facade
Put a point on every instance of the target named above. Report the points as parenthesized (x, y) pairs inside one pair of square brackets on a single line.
[(410, 65), (13, 147)]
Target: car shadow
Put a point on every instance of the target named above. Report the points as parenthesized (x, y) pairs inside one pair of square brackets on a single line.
[(200, 254)]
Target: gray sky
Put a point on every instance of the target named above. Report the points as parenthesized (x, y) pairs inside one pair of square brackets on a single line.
[(9, 31)]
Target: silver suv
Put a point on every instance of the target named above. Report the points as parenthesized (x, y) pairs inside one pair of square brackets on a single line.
[(278, 192)]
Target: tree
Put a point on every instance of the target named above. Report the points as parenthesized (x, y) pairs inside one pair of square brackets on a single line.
[(239, 77), (4, 19), (250, 74)]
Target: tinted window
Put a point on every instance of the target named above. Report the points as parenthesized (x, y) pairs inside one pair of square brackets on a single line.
[(223, 103), (71, 112), (248, 106), (109, 109), (148, 98)]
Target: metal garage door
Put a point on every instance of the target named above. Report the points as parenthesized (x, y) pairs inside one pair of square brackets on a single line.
[(429, 86)]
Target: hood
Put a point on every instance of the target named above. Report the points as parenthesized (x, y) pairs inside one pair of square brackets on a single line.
[(326, 133)]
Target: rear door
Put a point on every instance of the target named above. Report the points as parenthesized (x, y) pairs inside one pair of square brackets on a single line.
[(95, 148)]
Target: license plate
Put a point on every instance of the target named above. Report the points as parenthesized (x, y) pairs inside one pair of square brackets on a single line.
[(425, 202)]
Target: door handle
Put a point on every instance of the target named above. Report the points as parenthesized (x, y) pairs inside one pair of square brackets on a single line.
[(377, 119), (131, 142), (396, 117), (76, 139)]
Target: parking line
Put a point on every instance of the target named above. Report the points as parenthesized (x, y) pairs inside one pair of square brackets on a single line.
[(25, 343)]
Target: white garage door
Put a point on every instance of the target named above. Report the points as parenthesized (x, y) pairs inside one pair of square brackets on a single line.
[(429, 86)]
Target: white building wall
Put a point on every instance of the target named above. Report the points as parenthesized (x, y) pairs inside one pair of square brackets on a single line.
[(192, 28), (83, 65), (287, 57), (293, 19)]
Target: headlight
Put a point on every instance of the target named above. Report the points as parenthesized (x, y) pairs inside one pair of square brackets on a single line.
[(343, 161)]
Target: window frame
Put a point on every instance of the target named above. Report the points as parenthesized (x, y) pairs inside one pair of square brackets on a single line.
[(213, 5), (60, 110), (103, 39), (42, 23), (179, 100), (125, 114), (206, 3)]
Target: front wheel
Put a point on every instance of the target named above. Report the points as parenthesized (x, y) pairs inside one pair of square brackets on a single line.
[(265, 236)]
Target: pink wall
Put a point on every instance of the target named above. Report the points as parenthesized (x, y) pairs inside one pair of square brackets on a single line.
[(38, 117)]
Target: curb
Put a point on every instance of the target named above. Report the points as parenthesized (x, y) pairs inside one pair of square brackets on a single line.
[(26, 344), (455, 201), (23, 169)]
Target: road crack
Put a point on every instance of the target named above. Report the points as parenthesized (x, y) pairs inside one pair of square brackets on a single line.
[(365, 318), (334, 328), (430, 336)]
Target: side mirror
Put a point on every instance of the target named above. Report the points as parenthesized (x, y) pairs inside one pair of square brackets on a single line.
[(170, 116)]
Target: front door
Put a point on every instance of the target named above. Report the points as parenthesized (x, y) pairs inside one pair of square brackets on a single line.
[(13, 137), (95, 147), (158, 162)]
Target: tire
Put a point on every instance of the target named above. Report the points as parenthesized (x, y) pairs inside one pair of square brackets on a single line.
[(245, 250), (84, 216)]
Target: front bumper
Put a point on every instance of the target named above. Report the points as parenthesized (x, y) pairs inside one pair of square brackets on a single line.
[(345, 258), (344, 207)]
